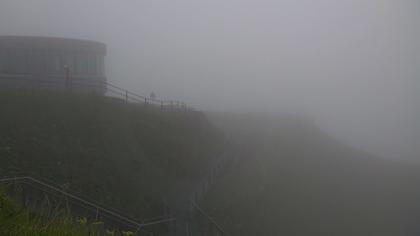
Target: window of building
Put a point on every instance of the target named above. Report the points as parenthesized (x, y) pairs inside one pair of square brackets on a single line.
[(36, 62), (18, 61), (82, 64), (69, 60), (4, 61), (92, 64), (100, 65), (12, 62), (54, 65)]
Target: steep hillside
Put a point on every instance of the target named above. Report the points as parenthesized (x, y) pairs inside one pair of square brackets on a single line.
[(295, 180), (124, 156)]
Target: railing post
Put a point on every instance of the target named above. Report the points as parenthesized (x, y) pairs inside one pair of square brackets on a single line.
[(187, 228), (97, 214)]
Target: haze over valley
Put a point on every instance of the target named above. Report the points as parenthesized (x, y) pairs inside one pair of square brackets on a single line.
[(212, 117)]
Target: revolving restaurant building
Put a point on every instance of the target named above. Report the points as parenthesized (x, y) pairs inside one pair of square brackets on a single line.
[(52, 63)]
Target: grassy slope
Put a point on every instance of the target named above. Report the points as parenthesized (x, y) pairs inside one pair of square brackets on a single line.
[(15, 221), (295, 180), (124, 156)]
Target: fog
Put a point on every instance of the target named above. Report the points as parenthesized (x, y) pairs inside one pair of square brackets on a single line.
[(352, 65)]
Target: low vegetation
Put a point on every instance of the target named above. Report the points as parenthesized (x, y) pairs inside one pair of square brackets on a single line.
[(16, 221)]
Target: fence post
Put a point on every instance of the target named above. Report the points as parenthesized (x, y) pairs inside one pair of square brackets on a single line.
[(126, 96), (161, 105), (145, 101)]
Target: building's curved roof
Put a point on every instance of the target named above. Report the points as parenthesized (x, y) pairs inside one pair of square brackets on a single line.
[(50, 43)]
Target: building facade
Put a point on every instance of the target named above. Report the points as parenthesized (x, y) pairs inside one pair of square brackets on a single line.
[(59, 62)]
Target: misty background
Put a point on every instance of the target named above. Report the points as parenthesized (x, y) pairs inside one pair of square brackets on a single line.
[(351, 65)]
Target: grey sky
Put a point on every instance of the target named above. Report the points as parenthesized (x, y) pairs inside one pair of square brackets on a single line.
[(352, 64)]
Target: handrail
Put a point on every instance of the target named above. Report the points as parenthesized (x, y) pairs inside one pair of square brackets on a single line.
[(44, 180), (202, 189), (125, 90), (210, 219), (128, 92), (74, 197), (124, 94)]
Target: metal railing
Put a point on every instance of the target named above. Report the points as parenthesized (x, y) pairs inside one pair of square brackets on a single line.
[(207, 223), (194, 220), (201, 222), (91, 84), (96, 210), (211, 227)]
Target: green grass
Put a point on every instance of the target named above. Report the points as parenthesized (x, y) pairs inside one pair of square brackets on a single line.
[(16, 221), (124, 156)]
